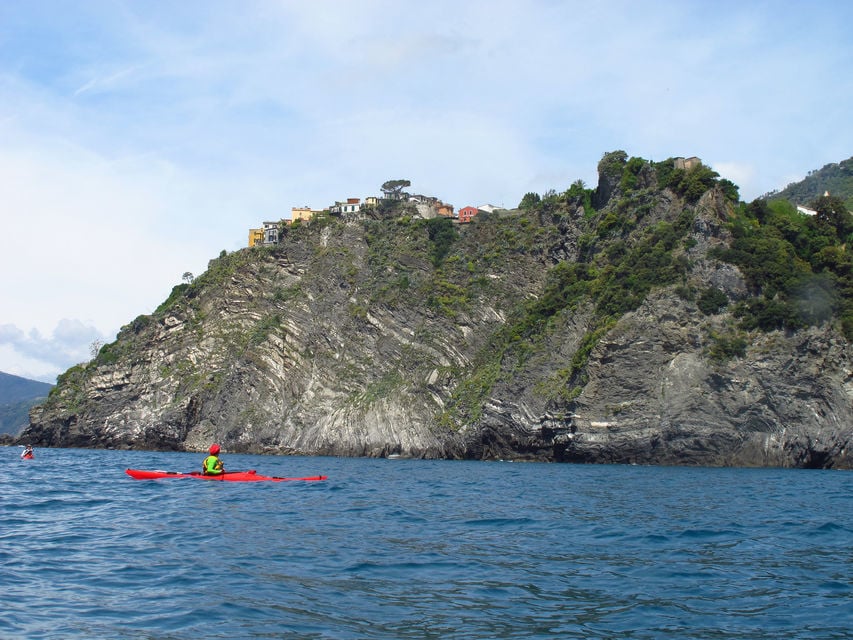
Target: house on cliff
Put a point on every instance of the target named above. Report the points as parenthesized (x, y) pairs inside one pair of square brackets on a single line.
[(352, 205), (466, 213), (428, 206), (686, 164), (256, 237), (303, 213), (444, 209), (268, 234)]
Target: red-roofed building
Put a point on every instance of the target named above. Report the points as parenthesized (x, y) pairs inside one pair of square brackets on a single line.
[(466, 213)]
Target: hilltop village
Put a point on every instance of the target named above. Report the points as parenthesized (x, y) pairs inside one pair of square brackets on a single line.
[(427, 207), (392, 190)]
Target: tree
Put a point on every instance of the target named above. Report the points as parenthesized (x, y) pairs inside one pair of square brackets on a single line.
[(730, 190), (393, 189), (711, 300), (530, 200), (612, 164), (95, 348), (577, 190), (831, 211), (188, 277), (442, 234)]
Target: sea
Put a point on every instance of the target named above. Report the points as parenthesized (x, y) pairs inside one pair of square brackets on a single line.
[(399, 548)]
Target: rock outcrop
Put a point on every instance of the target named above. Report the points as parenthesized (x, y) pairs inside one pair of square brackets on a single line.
[(411, 337)]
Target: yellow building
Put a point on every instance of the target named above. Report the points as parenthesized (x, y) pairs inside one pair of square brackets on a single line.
[(267, 235), (301, 213), (256, 237)]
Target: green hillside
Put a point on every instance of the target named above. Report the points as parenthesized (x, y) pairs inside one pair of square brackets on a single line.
[(17, 395), (835, 178)]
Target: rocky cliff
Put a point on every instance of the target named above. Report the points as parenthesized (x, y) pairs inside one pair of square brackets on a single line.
[(573, 330)]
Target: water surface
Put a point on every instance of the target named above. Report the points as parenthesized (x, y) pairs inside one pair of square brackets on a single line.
[(420, 549)]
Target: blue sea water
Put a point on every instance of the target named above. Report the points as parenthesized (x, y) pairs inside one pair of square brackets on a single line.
[(420, 549)]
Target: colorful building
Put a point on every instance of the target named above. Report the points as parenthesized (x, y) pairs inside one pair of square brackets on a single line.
[(352, 205), (267, 235), (256, 237), (301, 213), (466, 213), (270, 232)]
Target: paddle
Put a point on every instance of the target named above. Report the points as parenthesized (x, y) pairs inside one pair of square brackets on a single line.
[(199, 473)]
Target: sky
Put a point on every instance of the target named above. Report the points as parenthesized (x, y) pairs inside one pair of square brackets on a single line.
[(139, 139)]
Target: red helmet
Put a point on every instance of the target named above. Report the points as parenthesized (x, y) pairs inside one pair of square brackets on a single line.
[(214, 449)]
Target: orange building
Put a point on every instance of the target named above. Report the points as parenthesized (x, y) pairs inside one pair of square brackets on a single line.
[(466, 213)]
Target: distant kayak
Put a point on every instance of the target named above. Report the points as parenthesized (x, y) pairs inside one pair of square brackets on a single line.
[(229, 476), (27, 456)]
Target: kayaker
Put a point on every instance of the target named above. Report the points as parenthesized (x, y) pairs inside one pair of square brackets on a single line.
[(212, 465), (28, 452)]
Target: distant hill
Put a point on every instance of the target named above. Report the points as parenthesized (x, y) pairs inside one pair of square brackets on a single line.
[(836, 178), (17, 395)]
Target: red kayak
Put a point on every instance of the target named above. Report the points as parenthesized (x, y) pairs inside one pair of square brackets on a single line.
[(230, 476)]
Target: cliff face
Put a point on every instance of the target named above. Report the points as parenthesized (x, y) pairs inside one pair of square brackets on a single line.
[(374, 337)]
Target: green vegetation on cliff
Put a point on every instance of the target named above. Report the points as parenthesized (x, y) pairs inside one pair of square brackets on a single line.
[(397, 317), (798, 269), (835, 178)]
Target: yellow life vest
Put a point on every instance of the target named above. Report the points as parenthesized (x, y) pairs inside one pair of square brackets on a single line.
[(212, 466)]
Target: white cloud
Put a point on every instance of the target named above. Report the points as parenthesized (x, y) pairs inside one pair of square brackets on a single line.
[(742, 175), (81, 237), (16, 363), (43, 357)]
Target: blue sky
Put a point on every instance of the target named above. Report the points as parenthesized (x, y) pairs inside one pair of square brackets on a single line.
[(138, 139)]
